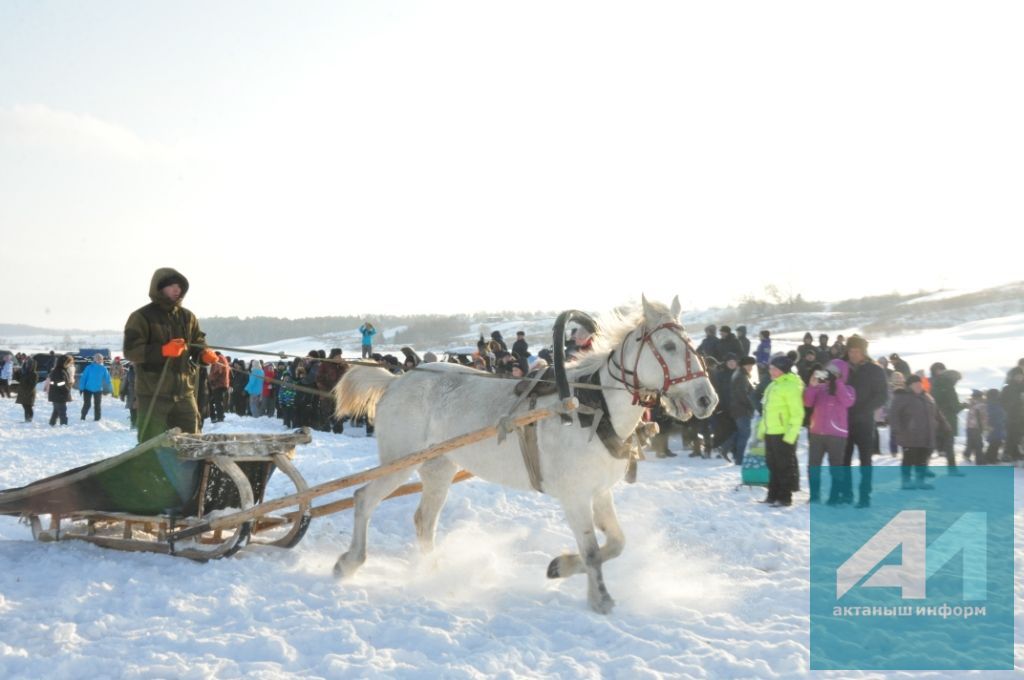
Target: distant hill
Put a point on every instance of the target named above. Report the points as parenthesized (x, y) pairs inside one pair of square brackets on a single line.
[(22, 329), (879, 315)]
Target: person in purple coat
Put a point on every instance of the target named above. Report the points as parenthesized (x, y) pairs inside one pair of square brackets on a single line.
[(830, 398)]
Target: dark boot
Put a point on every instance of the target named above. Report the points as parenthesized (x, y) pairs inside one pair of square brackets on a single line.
[(814, 482)]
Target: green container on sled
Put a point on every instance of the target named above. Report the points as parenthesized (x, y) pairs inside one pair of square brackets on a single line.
[(755, 470)]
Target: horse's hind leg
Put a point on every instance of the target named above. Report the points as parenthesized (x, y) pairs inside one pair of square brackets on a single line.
[(608, 522), (436, 476), (367, 499), (581, 519)]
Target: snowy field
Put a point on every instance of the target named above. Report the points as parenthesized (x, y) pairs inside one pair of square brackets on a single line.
[(712, 584)]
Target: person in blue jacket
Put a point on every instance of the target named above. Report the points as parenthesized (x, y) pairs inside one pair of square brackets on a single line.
[(368, 331), (93, 384), (763, 354)]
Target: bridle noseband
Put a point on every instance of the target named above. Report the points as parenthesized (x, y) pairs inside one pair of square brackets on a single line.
[(649, 398)]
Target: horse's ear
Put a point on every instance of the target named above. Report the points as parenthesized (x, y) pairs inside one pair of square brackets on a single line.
[(648, 312), (677, 308)]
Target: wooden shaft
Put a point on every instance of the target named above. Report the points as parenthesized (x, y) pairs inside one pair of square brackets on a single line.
[(435, 451), (346, 503)]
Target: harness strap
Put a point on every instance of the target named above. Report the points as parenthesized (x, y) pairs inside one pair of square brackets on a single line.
[(595, 403), (531, 451)]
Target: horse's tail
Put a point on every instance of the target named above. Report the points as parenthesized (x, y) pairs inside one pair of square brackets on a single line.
[(358, 392)]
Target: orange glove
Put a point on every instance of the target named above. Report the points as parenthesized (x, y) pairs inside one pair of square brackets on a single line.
[(174, 348), (209, 356)]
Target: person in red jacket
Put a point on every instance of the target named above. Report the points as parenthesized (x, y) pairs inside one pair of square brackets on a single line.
[(269, 395), (220, 377)]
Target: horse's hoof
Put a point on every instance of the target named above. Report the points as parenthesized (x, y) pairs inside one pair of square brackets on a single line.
[(344, 569), (563, 566), (603, 605)]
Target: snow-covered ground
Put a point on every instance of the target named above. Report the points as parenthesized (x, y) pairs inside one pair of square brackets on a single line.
[(712, 584)]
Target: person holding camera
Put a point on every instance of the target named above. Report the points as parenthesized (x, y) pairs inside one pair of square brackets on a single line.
[(830, 399)]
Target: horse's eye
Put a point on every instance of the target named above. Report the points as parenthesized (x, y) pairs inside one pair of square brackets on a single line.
[(669, 346)]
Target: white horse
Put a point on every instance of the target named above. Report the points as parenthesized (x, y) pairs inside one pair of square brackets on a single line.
[(647, 357)]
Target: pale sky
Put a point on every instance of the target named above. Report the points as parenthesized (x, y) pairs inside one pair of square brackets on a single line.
[(322, 158)]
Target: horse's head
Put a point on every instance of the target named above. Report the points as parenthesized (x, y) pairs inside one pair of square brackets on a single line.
[(657, 360)]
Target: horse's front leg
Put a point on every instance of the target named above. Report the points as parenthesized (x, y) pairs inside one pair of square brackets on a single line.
[(580, 514)]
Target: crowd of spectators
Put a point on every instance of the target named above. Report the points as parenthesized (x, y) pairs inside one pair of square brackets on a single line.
[(843, 396)]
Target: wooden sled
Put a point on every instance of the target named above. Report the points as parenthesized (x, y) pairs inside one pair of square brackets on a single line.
[(202, 496)]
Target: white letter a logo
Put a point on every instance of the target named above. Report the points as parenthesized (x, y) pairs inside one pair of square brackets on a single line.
[(906, 529)]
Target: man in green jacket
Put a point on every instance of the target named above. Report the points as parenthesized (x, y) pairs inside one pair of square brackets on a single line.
[(164, 342), (782, 418)]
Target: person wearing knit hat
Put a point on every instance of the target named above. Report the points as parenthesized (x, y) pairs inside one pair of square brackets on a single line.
[(897, 381), (807, 348), (915, 420), (869, 382), (783, 362), (708, 347), (728, 344), (782, 418), (807, 362), (824, 351), (741, 408), (838, 349)]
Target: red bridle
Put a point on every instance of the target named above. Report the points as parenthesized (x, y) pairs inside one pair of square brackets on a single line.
[(646, 339)]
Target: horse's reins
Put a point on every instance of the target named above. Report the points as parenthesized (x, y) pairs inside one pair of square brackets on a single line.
[(374, 364), (634, 386)]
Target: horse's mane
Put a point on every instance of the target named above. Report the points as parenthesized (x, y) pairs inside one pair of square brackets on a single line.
[(612, 329)]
